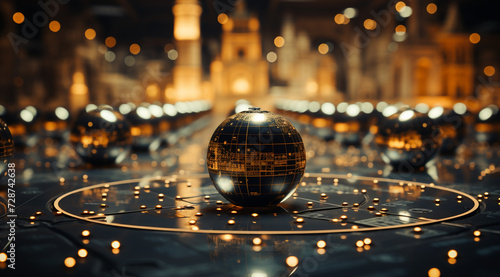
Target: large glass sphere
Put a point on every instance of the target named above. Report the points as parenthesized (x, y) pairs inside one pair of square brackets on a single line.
[(101, 136), (6, 148), (256, 158), (407, 139)]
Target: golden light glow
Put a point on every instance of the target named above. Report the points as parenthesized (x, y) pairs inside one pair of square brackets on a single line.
[(90, 34), (85, 233), (360, 243), (292, 261), (367, 241), (323, 48), (222, 18), (55, 26), (253, 24), (400, 29), (400, 5), (432, 8), (489, 70), (69, 262), (434, 272), (18, 17), (135, 49), (279, 41), (321, 244), (271, 57), (110, 42), (3, 257), (115, 244), (78, 87), (477, 233), (370, 24), (187, 21), (82, 253), (417, 229), (241, 86), (474, 38), (452, 253), (153, 90), (339, 18), (257, 241)]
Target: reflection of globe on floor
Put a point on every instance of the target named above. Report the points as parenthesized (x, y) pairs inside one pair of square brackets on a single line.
[(256, 158)]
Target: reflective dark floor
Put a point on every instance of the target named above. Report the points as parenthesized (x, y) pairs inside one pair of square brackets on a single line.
[(392, 224)]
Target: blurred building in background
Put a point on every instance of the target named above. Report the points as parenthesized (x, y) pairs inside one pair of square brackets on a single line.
[(72, 53)]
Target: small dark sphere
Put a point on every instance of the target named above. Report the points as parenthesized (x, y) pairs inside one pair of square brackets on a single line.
[(6, 148), (408, 140), (101, 136), (256, 158), (146, 128)]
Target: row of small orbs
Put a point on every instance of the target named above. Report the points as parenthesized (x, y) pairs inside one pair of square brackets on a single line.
[(100, 134), (407, 137)]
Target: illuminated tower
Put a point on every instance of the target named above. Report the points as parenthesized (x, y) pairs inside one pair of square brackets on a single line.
[(187, 73), (241, 70)]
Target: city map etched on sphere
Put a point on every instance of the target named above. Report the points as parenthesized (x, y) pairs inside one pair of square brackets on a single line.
[(256, 158)]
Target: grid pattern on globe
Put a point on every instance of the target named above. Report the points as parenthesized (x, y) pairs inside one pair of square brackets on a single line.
[(261, 153)]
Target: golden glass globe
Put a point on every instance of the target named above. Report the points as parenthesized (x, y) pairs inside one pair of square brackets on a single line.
[(256, 158)]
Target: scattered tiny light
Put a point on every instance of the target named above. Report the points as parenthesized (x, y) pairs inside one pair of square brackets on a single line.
[(345, 203), (309, 203), (135, 49), (257, 241), (219, 202), (255, 214), (161, 195), (417, 229), (110, 42), (431, 8), (323, 195), (69, 262), (367, 241), (142, 206), (271, 57), (371, 208), (370, 24), (18, 17), (363, 191), (104, 194), (400, 5), (231, 222), (222, 18), (82, 253), (321, 244), (158, 206), (192, 222), (323, 48), (55, 26), (32, 217), (477, 233), (85, 233), (360, 243), (3, 257), (452, 253), (343, 217), (279, 41), (90, 34), (489, 70), (115, 244), (434, 272), (292, 261), (299, 220), (437, 200), (375, 200), (474, 38)]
